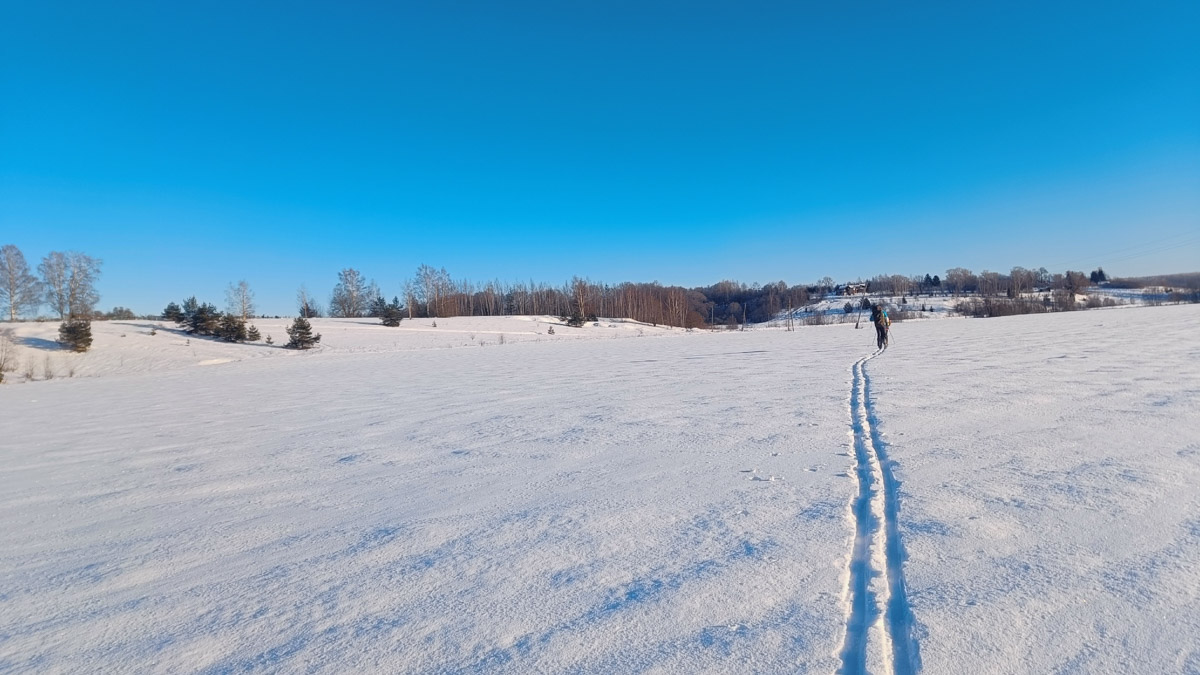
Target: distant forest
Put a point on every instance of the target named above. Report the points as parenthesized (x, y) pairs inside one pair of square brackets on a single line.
[(67, 284), (433, 292)]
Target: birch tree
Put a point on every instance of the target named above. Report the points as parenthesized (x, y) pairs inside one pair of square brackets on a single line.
[(19, 289), (306, 305), (349, 298), (70, 281), (239, 300)]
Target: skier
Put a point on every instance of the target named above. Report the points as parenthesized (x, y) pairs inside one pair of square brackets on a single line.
[(879, 317)]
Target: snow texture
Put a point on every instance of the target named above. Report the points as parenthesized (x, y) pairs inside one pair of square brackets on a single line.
[(991, 496)]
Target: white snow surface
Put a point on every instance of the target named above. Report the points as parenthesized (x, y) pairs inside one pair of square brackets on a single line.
[(987, 495)]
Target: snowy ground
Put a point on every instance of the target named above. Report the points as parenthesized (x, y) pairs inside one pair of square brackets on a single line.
[(997, 496)]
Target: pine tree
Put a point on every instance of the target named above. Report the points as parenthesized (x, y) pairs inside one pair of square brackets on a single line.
[(204, 320), (232, 328), (173, 313), (301, 334), (189, 308), (269, 340), (76, 334), (252, 334)]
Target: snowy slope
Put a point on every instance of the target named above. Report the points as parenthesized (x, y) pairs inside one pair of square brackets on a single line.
[(134, 347), (682, 504)]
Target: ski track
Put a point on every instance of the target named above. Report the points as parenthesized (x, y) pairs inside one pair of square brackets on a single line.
[(877, 607)]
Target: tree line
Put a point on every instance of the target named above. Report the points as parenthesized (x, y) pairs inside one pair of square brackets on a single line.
[(67, 284)]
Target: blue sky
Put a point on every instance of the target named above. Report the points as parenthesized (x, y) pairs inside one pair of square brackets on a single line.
[(190, 145)]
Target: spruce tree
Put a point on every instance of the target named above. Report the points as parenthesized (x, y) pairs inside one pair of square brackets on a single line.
[(252, 334), (76, 334), (392, 313), (378, 308), (301, 334)]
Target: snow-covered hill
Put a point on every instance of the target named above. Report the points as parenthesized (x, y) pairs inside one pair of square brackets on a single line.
[(138, 347), (1022, 492)]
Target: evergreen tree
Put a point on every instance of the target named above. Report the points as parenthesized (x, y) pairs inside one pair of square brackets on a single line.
[(173, 313), (378, 308), (205, 320), (269, 340), (301, 334), (187, 311), (231, 328), (76, 334), (392, 313), (252, 334)]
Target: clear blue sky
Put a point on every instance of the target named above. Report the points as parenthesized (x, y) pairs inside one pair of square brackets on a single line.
[(190, 145)]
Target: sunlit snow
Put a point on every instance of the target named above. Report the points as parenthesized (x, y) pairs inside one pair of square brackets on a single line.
[(482, 496)]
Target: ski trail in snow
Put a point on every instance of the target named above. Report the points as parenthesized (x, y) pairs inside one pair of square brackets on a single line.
[(878, 616), (898, 616)]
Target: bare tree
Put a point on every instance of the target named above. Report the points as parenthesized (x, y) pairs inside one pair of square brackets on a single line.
[(411, 296), (349, 297), (960, 279), (432, 286), (1022, 280), (306, 305), (239, 300), (70, 281), (19, 289)]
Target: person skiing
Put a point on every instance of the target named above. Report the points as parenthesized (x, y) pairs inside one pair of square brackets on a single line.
[(879, 317)]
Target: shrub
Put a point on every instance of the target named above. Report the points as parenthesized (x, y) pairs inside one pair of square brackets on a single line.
[(75, 334), (986, 307)]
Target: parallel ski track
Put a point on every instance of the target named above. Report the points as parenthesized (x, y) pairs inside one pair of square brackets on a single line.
[(877, 605)]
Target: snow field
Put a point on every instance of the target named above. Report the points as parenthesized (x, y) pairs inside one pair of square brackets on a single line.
[(591, 506), (1009, 495), (1049, 469)]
